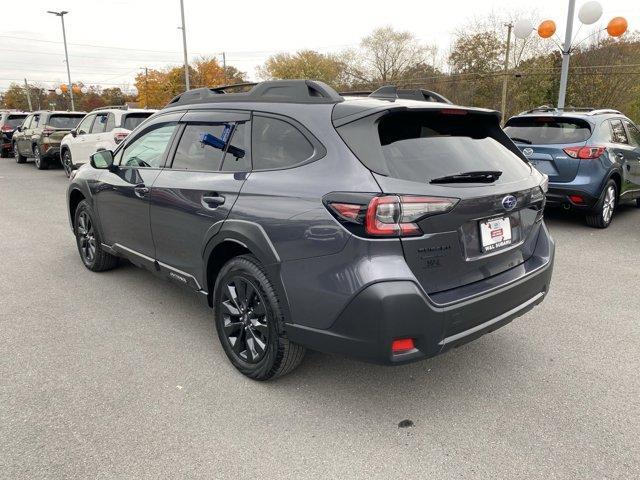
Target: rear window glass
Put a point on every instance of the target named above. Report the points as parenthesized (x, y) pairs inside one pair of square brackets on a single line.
[(15, 120), (544, 130), (64, 121), (422, 146), (132, 120)]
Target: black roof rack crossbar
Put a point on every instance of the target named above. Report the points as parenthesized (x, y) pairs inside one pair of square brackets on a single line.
[(390, 92), (587, 110), (273, 91)]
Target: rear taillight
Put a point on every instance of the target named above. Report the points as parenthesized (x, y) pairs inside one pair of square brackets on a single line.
[(7, 128), (120, 136), (584, 153), (46, 131), (391, 215)]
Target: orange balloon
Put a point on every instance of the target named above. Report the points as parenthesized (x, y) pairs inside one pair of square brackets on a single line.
[(76, 89), (547, 28), (617, 26), (64, 88)]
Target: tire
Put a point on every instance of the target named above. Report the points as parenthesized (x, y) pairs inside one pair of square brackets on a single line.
[(638, 202), (41, 164), (16, 153), (247, 316), (605, 208), (67, 163), (88, 241), (4, 153)]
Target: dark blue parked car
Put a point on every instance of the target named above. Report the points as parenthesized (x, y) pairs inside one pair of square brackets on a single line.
[(592, 158)]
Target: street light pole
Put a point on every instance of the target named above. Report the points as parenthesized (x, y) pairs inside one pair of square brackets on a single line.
[(566, 54), (506, 69), (184, 46), (66, 54)]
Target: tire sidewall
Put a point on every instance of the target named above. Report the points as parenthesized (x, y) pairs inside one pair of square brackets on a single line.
[(602, 199), (66, 163), (243, 267), (37, 157), (83, 206)]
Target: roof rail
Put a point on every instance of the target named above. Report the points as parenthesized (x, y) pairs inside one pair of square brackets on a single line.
[(391, 92), (274, 91), (112, 107), (603, 111), (233, 86)]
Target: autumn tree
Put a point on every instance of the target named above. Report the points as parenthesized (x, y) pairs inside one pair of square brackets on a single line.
[(306, 64), (386, 56)]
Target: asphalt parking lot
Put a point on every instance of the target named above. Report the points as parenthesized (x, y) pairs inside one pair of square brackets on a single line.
[(120, 375)]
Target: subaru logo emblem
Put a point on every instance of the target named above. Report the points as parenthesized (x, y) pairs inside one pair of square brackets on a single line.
[(527, 152), (509, 202)]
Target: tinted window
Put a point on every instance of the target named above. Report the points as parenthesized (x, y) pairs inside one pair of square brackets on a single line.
[(546, 130), (634, 133), (132, 120), (35, 121), (421, 146), (147, 150), (200, 148), (236, 159), (64, 121), (100, 123), (85, 125), (111, 122), (15, 120), (618, 135), (278, 144)]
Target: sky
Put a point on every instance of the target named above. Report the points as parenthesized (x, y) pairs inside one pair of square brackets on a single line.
[(110, 41)]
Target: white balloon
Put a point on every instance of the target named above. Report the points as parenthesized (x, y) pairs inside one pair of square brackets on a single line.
[(523, 28), (590, 13), (84, 89), (58, 91)]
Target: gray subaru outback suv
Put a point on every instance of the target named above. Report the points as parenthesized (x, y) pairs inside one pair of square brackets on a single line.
[(379, 227)]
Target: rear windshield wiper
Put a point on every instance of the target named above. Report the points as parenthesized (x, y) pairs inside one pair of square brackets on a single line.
[(521, 140), (481, 176)]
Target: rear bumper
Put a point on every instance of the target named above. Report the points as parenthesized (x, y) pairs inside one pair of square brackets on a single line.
[(52, 152), (389, 310), (559, 196)]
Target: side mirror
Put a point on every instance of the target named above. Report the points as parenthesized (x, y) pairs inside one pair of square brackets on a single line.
[(103, 160), (19, 128), (73, 132)]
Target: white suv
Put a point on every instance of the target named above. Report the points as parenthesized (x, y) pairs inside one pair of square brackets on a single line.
[(102, 129)]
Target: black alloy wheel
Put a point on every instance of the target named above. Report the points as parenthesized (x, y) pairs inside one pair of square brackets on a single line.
[(250, 322), (244, 319), (88, 240)]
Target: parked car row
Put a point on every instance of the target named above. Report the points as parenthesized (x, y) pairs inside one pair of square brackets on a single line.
[(68, 138)]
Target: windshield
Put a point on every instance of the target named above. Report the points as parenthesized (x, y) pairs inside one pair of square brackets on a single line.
[(15, 120), (422, 146), (546, 130), (64, 121), (132, 120)]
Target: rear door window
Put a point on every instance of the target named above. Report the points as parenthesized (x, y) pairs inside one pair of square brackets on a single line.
[(547, 130), (634, 133), (132, 120), (100, 123), (422, 146), (278, 144), (200, 148), (64, 121), (618, 134)]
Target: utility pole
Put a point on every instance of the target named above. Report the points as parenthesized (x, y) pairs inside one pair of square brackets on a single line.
[(505, 78), (566, 54), (27, 90), (184, 46), (224, 67), (66, 54), (146, 87)]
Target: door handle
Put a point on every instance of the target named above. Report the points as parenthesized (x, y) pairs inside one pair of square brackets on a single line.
[(620, 155), (141, 191), (212, 201)]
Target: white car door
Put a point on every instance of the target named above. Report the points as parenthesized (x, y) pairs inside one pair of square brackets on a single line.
[(77, 144)]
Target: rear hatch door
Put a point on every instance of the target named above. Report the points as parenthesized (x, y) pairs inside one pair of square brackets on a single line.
[(62, 123), (542, 139), (409, 150)]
